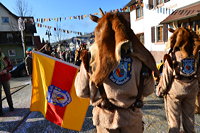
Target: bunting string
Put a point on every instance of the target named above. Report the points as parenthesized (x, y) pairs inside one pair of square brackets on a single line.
[(162, 10), (157, 9), (59, 29)]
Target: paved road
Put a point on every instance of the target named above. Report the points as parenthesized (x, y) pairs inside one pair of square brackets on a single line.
[(24, 121), (154, 116)]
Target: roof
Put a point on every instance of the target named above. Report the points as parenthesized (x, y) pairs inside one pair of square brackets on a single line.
[(132, 2), (183, 13), (9, 11), (30, 25)]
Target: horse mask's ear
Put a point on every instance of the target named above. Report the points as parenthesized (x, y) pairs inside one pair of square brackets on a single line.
[(171, 30), (94, 18)]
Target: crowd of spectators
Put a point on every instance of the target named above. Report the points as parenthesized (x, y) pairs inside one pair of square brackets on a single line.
[(63, 53)]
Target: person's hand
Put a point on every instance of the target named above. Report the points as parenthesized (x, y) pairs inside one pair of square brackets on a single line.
[(3, 72)]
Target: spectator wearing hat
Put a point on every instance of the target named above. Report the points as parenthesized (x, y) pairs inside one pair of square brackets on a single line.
[(28, 61)]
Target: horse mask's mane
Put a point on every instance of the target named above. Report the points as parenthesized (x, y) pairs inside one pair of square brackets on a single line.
[(112, 34)]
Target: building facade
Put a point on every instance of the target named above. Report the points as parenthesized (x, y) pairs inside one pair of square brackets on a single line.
[(147, 22), (10, 35)]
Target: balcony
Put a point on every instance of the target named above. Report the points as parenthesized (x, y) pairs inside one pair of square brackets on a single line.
[(13, 38)]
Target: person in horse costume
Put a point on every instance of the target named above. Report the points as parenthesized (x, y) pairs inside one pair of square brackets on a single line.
[(116, 74), (179, 81), (78, 53)]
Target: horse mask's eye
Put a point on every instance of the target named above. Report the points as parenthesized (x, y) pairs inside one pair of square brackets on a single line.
[(126, 49)]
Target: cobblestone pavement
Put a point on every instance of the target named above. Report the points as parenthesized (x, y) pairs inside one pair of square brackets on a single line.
[(24, 121), (154, 116), (16, 83)]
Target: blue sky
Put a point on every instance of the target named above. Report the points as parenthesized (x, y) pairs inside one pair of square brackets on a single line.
[(66, 8)]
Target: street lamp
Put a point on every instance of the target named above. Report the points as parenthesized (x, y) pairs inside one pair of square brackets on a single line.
[(48, 33)]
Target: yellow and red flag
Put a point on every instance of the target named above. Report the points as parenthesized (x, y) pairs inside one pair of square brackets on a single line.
[(53, 92)]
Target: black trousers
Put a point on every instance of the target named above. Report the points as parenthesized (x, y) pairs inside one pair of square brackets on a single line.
[(6, 87)]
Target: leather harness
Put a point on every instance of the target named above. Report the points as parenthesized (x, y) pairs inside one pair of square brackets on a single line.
[(106, 104)]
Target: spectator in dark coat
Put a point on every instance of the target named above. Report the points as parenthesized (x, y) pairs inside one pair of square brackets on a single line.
[(5, 76), (46, 49)]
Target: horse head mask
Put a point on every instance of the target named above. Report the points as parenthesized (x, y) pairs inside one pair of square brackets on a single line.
[(185, 40), (114, 39)]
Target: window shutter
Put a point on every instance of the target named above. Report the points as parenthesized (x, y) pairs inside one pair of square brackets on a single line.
[(166, 1), (152, 34), (165, 32), (150, 4), (155, 3)]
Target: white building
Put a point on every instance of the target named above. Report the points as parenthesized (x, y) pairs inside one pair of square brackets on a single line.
[(146, 17)]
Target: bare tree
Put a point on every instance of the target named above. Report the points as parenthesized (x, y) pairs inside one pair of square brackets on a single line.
[(22, 8), (58, 33)]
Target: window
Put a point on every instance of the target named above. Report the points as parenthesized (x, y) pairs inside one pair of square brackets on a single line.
[(166, 1), (9, 36), (158, 2), (11, 52), (150, 5), (139, 12), (153, 3), (5, 20), (159, 34)]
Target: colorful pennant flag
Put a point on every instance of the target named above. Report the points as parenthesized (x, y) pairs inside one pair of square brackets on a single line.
[(59, 29), (125, 9), (53, 92)]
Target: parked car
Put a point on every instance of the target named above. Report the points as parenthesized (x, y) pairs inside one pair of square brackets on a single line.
[(19, 70)]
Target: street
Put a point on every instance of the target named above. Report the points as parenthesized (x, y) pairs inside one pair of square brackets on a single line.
[(23, 121)]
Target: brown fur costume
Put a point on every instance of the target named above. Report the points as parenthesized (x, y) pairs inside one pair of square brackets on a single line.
[(179, 91), (111, 34), (112, 40), (185, 40)]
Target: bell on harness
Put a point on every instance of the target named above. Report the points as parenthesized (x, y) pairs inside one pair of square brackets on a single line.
[(139, 103)]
